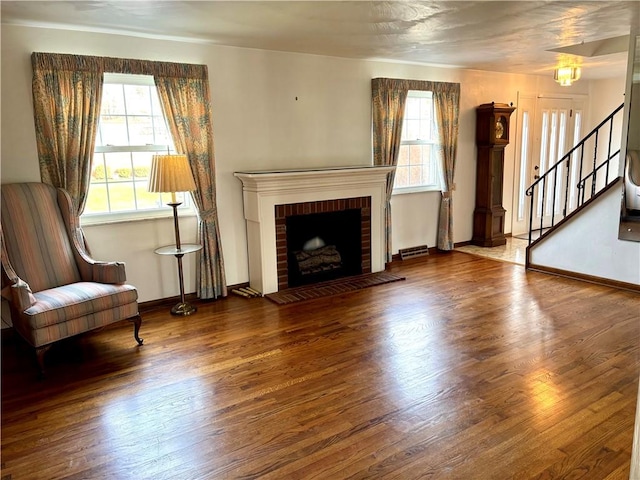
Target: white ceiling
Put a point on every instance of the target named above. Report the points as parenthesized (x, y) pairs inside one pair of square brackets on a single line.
[(504, 36)]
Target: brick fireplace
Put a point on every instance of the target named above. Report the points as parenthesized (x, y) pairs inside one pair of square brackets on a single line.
[(270, 196), (283, 212)]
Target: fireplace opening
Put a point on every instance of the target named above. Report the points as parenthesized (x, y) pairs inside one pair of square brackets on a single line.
[(323, 246)]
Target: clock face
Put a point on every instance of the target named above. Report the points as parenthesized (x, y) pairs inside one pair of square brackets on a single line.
[(500, 130)]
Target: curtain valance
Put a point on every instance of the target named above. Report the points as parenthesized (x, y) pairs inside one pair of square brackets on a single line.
[(406, 85), (85, 63)]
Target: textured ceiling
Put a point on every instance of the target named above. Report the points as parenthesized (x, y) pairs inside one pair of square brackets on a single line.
[(506, 36)]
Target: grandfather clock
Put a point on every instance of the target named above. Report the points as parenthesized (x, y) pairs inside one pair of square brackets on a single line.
[(492, 135)]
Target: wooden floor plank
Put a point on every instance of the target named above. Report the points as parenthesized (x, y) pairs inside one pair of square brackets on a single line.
[(468, 369)]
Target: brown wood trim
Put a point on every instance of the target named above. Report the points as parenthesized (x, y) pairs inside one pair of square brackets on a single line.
[(160, 303), (632, 287), (462, 244), (169, 302)]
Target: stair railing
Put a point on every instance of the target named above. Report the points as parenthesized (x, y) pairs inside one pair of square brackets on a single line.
[(539, 188)]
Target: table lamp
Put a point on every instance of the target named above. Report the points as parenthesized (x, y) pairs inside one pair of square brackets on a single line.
[(171, 174)]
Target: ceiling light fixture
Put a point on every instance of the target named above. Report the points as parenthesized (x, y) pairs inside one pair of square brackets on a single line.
[(565, 76)]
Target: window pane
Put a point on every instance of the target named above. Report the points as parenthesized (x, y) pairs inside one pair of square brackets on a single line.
[(155, 103), (160, 131), (413, 129), (142, 165), (425, 130), (524, 156), (147, 200), (415, 155), (427, 164), (412, 108), (426, 107), (98, 171), (138, 99), (403, 155), (118, 164), (140, 131), (113, 130), (112, 100), (97, 200), (121, 196), (415, 175), (402, 177)]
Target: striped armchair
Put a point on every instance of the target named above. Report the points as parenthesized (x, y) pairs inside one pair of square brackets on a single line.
[(55, 290)]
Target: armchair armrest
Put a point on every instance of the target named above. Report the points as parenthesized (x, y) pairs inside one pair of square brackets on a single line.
[(108, 272), (19, 294), (14, 289), (22, 295)]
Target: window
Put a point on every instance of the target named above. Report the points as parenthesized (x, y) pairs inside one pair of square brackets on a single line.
[(418, 166), (131, 130)]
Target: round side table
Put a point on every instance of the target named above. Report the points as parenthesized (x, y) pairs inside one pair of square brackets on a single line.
[(183, 308)]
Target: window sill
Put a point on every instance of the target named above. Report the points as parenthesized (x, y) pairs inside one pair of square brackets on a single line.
[(406, 190), (113, 218)]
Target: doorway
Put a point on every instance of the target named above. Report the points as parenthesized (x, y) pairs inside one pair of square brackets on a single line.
[(548, 127)]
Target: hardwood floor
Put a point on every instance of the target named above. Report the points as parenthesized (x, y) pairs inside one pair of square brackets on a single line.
[(468, 369)]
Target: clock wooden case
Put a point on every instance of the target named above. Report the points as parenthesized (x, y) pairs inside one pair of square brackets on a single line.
[(492, 136)]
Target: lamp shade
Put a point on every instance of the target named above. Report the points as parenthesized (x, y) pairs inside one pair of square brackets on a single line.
[(170, 173)]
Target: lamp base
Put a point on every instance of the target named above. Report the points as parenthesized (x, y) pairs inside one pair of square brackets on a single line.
[(183, 309)]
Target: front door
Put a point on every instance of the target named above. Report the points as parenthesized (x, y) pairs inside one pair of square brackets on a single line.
[(549, 128)]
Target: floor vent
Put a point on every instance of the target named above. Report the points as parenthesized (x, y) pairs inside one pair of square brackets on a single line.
[(412, 252)]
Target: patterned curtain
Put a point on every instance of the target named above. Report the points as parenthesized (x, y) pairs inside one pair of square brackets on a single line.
[(389, 97), (186, 105), (447, 102), (67, 91)]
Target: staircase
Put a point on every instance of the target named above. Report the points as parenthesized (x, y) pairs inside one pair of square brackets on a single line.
[(565, 189)]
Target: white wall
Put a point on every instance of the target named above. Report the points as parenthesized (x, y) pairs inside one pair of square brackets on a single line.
[(258, 124), (589, 244), (606, 95)]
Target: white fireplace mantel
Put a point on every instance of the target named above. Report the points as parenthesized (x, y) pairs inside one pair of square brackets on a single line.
[(263, 190)]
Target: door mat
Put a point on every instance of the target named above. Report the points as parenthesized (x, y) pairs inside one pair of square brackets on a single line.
[(333, 287)]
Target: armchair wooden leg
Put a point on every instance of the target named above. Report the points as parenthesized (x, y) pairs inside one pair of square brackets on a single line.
[(40, 352), (137, 321)]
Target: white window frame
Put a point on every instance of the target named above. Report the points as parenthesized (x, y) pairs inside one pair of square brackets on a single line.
[(135, 215), (436, 187)]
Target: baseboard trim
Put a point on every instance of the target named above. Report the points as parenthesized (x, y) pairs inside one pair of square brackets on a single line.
[(462, 244), (161, 303), (632, 287)]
